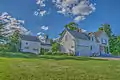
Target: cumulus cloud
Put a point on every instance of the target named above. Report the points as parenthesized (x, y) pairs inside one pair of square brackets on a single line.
[(45, 28), (78, 18), (79, 8), (12, 24), (40, 11)]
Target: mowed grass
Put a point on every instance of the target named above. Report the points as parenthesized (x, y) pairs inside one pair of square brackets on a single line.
[(58, 68)]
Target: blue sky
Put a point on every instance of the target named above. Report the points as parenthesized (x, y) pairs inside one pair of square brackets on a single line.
[(107, 11)]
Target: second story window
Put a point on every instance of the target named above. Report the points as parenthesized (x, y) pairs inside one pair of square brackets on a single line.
[(104, 41), (26, 43), (26, 47), (72, 46), (35, 49)]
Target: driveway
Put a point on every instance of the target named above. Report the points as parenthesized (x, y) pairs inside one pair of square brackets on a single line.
[(108, 58)]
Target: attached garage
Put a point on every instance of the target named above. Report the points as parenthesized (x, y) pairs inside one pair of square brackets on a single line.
[(83, 50)]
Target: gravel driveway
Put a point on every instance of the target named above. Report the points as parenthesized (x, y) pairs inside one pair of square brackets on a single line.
[(107, 58)]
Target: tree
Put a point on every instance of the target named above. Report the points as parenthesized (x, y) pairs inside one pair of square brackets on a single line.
[(107, 29), (114, 41), (112, 44), (72, 26), (1, 30), (55, 47), (14, 40), (3, 37)]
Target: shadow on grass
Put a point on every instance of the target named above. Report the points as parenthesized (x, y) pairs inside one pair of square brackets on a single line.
[(33, 56)]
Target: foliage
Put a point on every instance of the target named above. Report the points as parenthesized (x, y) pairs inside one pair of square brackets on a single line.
[(14, 40), (43, 51), (72, 26), (2, 34), (48, 53), (55, 47), (107, 29), (114, 41)]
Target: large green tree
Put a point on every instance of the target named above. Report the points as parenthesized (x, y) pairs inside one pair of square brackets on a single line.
[(1, 30), (55, 47), (114, 41), (2, 33), (72, 26), (14, 40), (107, 29)]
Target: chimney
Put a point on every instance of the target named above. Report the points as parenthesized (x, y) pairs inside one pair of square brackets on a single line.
[(79, 30)]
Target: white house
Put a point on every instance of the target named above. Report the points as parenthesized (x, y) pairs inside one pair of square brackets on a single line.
[(33, 44), (84, 44)]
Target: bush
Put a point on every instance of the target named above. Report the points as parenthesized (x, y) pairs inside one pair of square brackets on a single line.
[(55, 53), (48, 53), (71, 54)]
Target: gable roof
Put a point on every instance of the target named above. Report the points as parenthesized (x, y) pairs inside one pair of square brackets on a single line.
[(30, 38), (79, 35), (98, 33)]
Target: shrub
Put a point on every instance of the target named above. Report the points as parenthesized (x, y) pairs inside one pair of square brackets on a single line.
[(71, 54), (48, 53)]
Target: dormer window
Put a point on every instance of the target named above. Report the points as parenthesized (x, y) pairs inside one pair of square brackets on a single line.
[(104, 41)]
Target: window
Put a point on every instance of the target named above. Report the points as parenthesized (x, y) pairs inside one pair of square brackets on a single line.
[(90, 47), (72, 46), (104, 41), (26, 47), (26, 43), (46, 50), (35, 49)]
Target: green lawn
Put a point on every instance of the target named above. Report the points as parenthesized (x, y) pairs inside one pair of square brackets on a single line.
[(58, 68)]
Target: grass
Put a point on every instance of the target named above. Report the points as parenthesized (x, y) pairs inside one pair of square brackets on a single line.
[(30, 67)]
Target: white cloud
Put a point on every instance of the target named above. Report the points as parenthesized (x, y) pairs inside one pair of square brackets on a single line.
[(36, 13), (79, 18), (45, 28), (42, 13), (21, 21), (78, 9), (40, 33), (41, 3), (75, 8), (41, 36), (4, 14), (83, 30), (12, 24)]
